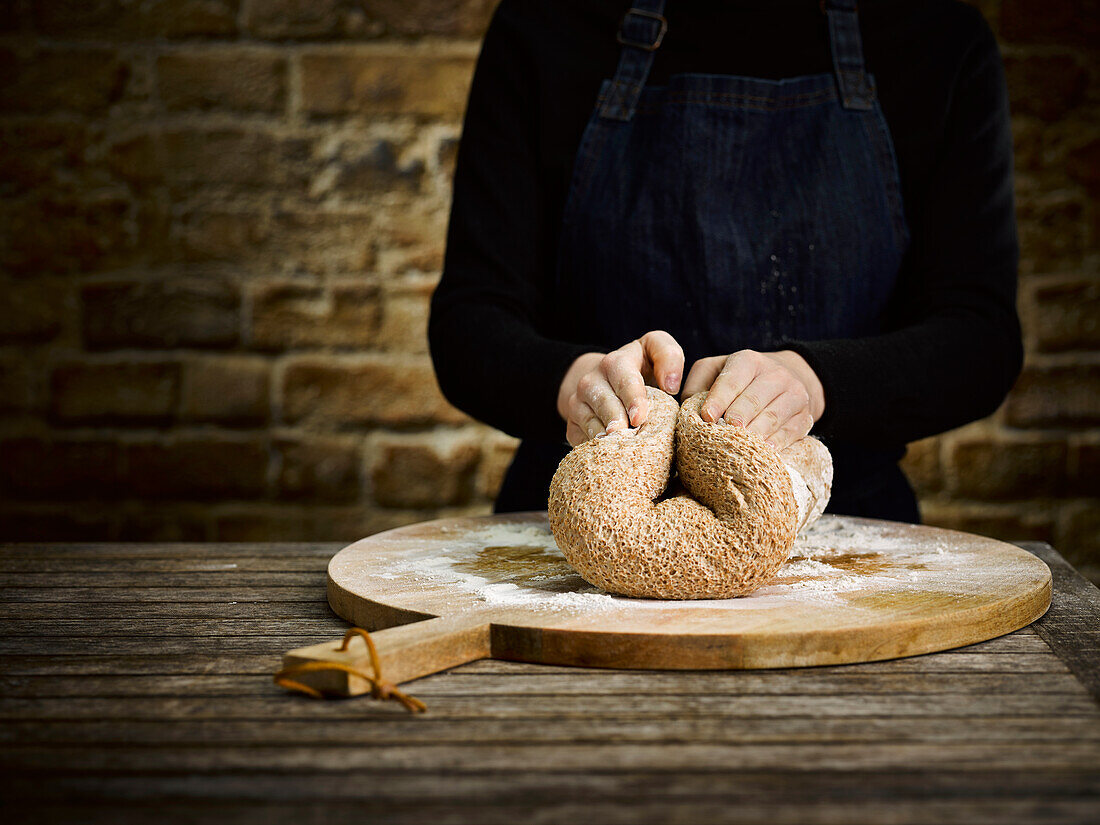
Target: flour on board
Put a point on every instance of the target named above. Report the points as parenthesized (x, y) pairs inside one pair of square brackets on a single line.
[(822, 566)]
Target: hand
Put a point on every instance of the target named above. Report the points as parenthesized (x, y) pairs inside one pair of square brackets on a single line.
[(774, 394), (605, 393)]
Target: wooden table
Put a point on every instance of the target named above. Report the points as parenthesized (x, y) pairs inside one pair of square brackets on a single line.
[(137, 687)]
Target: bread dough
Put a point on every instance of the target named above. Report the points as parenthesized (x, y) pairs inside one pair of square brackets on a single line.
[(725, 535)]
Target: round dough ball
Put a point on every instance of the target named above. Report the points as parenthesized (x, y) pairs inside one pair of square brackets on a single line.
[(724, 533)]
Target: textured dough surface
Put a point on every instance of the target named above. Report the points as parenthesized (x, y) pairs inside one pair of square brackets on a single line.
[(725, 535)]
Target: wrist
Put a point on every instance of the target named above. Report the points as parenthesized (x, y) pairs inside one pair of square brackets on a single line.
[(581, 365)]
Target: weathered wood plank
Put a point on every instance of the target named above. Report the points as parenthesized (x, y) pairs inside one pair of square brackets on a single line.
[(1072, 625), (305, 590), (156, 628), (505, 757), (315, 608), (111, 578), (638, 684), (124, 550), (279, 705), (1049, 811), (143, 567), (161, 645), (963, 661), (621, 727), (792, 784)]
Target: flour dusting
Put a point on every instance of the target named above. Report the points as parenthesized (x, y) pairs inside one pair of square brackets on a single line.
[(520, 565)]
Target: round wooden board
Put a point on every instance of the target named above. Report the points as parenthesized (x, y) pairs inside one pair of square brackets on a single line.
[(854, 590)]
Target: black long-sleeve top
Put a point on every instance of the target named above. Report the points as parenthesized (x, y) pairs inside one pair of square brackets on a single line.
[(952, 347)]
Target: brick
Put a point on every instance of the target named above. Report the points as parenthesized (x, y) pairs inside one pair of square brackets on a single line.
[(404, 324), (37, 468), (1084, 466), (31, 311), (369, 390), (1079, 537), (288, 241), (40, 153), (1062, 22), (341, 83), (56, 523), (184, 311), (136, 392), (447, 156), (318, 469), (1000, 468), (425, 470), (496, 455), (922, 466), (237, 80), (264, 524), (411, 241), (1083, 165), (314, 19), (1007, 522), (306, 19), (58, 235), (1065, 314), (85, 80), (289, 316), (1051, 230), (456, 18), (1047, 86), (162, 526), (16, 386), (227, 390), (197, 468), (214, 234), (127, 20), (362, 169), (1060, 395), (288, 521), (184, 158)]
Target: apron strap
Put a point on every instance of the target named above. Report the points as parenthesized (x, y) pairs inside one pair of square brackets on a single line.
[(856, 91), (641, 32)]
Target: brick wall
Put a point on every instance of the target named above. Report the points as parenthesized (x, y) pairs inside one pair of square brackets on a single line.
[(221, 223)]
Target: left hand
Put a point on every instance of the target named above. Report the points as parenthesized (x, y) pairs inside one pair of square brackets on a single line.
[(775, 394)]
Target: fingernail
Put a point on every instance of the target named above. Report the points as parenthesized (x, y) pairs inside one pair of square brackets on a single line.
[(706, 415), (633, 411), (672, 381)]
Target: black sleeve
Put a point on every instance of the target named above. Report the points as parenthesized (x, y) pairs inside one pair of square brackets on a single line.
[(955, 348), (489, 312)]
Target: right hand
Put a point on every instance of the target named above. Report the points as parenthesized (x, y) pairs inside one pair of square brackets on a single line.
[(602, 393)]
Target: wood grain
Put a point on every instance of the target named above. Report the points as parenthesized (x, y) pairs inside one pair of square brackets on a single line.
[(915, 591), (184, 725)]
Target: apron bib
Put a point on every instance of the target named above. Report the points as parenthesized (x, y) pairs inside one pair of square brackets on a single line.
[(735, 213)]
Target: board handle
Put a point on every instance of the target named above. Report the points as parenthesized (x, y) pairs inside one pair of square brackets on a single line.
[(377, 662)]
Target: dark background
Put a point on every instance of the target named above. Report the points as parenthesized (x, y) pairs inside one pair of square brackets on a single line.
[(221, 222)]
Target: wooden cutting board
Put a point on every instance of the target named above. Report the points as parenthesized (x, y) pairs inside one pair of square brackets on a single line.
[(854, 590)]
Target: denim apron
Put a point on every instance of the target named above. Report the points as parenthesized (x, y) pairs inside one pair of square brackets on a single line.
[(735, 213)]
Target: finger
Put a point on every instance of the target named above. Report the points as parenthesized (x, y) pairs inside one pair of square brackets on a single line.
[(594, 391), (797, 427), (585, 418), (776, 414), (737, 373), (574, 434), (702, 374), (665, 359), (754, 398), (625, 380), (792, 400)]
